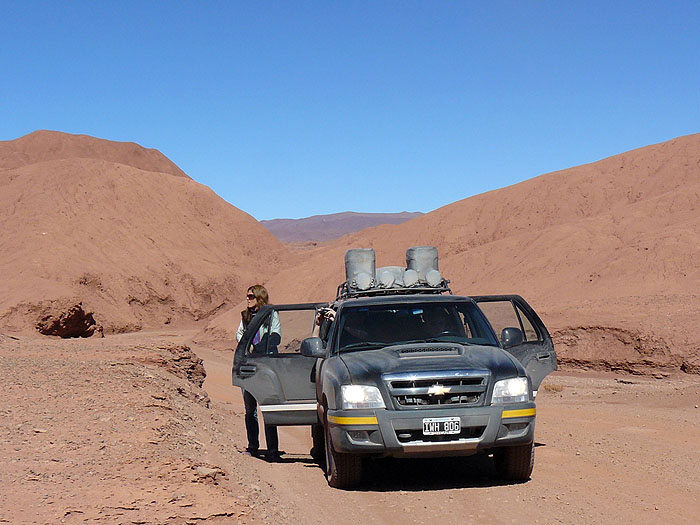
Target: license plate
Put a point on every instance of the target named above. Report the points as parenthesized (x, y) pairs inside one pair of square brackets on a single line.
[(433, 426)]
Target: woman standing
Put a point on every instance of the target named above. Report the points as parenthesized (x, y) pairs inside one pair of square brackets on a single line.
[(269, 335)]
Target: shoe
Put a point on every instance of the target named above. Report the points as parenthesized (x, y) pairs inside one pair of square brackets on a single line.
[(273, 456), (254, 452)]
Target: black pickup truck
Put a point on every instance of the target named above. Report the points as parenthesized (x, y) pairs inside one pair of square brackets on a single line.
[(403, 372)]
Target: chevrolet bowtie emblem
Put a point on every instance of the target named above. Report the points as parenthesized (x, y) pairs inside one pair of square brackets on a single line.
[(438, 390)]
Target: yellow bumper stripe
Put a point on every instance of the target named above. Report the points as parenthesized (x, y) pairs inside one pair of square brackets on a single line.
[(525, 412), (370, 420)]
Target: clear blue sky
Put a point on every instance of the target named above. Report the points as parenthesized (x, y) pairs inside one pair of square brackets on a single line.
[(291, 109)]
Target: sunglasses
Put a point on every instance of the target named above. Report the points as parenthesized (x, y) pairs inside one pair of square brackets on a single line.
[(250, 296)]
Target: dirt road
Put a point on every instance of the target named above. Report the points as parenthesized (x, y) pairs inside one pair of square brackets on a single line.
[(610, 448), (117, 430)]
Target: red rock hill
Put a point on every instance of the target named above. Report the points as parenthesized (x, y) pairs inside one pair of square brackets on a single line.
[(608, 253), (121, 229)]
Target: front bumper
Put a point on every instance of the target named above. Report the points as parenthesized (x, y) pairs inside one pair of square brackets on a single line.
[(400, 433)]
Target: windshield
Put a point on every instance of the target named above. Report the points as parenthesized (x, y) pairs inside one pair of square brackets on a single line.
[(375, 326)]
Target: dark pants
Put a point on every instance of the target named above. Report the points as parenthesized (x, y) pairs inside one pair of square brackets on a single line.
[(252, 428)]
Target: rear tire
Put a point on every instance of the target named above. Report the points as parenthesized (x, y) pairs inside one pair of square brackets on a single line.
[(342, 470), (515, 463)]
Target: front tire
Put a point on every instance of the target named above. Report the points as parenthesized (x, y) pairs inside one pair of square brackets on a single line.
[(318, 443), (515, 463), (342, 470)]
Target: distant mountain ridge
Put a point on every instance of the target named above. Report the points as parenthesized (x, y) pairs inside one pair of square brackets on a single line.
[(332, 226)]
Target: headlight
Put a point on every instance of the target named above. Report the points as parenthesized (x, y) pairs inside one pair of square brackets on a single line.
[(360, 396), (513, 390)]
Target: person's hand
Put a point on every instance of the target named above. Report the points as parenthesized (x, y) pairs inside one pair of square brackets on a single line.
[(325, 313)]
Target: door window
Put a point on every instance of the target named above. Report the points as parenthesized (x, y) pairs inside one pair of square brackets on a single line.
[(505, 314), (536, 352), (282, 333), (529, 332)]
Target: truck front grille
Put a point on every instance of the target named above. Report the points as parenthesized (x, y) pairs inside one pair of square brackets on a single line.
[(438, 389), (425, 400)]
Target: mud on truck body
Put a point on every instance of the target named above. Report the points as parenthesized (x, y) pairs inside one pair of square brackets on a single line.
[(401, 367)]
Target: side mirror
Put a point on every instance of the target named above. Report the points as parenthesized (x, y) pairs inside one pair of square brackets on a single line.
[(313, 347), (511, 336)]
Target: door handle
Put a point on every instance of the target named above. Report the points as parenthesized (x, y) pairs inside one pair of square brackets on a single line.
[(247, 370), (543, 355)]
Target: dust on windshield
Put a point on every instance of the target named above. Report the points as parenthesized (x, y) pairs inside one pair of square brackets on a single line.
[(376, 326)]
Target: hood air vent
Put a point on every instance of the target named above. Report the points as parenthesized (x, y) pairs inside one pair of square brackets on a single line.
[(429, 351)]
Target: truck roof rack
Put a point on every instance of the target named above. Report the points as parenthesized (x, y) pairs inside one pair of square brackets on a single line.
[(345, 292)]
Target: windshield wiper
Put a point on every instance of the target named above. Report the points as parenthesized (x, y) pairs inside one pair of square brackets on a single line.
[(441, 339), (433, 340), (363, 345), (415, 341)]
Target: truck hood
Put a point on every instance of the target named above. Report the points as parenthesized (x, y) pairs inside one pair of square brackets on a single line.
[(367, 366)]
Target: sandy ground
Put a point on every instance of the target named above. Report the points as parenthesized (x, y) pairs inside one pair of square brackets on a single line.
[(117, 430)]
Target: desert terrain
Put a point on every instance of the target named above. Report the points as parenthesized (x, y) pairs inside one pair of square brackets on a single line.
[(118, 430), (136, 420)]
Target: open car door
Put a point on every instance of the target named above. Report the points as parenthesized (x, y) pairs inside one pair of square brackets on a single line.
[(268, 364), (535, 350)]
